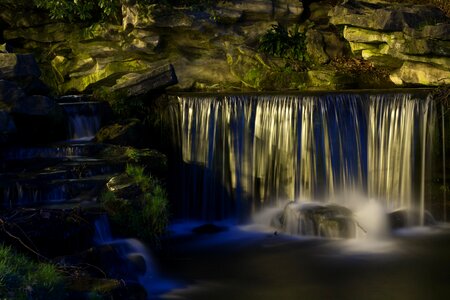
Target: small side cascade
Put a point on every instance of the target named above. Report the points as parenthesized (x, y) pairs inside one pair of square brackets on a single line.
[(68, 172), (84, 117), (132, 252)]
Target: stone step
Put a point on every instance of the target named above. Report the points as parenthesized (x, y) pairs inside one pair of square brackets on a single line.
[(63, 150), (32, 192)]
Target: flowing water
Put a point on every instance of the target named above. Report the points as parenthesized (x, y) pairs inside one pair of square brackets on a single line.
[(84, 119), (289, 168), (241, 153), (67, 171), (343, 160), (135, 258)]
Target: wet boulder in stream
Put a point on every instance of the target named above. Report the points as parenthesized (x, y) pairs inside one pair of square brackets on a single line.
[(403, 218), (312, 219)]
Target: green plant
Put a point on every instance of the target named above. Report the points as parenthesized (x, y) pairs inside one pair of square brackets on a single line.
[(22, 278), (283, 43), (132, 154), (145, 217), (144, 181), (156, 205), (80, 10)]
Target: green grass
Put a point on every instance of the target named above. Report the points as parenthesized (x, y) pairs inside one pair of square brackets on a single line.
[(22, 278), (144, 181)]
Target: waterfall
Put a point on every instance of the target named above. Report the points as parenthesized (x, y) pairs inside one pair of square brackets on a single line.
[(84, 119), (240, 153)]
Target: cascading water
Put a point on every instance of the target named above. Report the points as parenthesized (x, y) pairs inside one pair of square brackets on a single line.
[(84, 119), (240, 153), (136, 259), (62, 172)]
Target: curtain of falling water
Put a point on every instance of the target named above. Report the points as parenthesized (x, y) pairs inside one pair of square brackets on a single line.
[(240, 153), (399, 142)]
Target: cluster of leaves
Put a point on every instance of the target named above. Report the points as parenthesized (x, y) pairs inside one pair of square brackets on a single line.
[(100, 10), (22, 278), (285, 43), (80, 10), (146, 217)]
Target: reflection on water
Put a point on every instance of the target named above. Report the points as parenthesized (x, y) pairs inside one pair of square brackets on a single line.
[(251, 262)]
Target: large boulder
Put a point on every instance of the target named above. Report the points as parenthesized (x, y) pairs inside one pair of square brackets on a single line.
[(403, 218), (104, 72), (135, 84), (420, 73), (315, 47), (385, 16)]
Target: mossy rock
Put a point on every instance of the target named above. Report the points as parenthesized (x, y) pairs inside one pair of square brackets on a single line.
[(127, 133), (420, 73), (328, 79), (103, 74)]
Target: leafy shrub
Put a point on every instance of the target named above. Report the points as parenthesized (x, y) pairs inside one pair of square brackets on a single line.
[(80, 10), (145, 217), (22, 278), (283, 43), (96, 10)]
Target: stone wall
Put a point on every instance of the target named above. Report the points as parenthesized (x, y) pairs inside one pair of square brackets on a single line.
[(412, 40), (217, 48)]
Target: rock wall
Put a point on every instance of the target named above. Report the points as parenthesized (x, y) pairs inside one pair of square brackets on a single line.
[(26, 111), (412, 40), (217, 48)]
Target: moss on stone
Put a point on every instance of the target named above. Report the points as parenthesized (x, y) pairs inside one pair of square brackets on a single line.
[(106, 74)]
